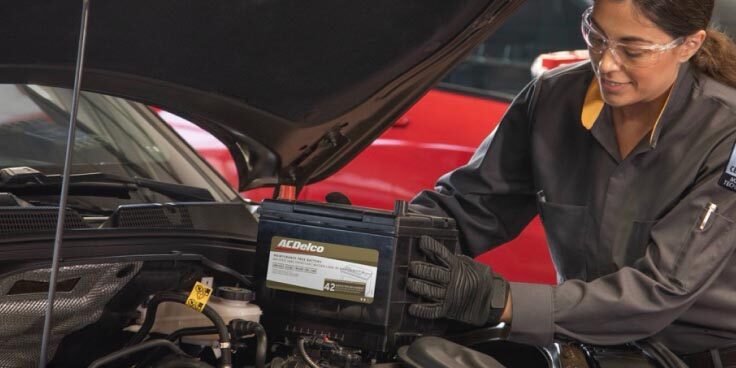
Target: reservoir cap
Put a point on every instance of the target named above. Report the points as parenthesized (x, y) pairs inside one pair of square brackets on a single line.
[(235, 293)]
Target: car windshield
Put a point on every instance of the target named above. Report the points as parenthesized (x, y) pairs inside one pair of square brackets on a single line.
[(116, 139)]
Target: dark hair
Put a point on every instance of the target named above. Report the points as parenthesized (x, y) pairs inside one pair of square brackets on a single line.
[(680, 18)]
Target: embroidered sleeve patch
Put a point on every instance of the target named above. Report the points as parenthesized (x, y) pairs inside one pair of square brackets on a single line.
[(728, 179)]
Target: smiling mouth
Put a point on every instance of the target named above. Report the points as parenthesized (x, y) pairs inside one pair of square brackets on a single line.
[(613, 84)]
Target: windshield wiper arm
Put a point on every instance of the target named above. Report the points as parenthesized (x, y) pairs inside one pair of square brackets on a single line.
[(116, 190), (30, 181), (178, 192)]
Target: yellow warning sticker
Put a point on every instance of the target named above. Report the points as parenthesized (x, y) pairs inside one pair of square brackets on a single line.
[(199, 296)]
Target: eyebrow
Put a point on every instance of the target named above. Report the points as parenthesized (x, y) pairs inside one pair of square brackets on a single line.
[(623, 39)]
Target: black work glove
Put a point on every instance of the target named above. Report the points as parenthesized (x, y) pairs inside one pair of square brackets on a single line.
[(461, 289)]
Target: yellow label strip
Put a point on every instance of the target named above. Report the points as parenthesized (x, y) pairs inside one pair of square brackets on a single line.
[(199, 296)]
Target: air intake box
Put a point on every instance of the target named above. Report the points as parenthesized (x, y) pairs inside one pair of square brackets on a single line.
[(340, 271)]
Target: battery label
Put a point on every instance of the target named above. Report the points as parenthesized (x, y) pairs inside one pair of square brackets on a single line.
[(323, 269)]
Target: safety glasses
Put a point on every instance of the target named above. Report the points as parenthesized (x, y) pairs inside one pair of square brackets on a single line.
[(630, 54)]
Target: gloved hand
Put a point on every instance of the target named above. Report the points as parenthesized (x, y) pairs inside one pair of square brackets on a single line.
[(461, 289)]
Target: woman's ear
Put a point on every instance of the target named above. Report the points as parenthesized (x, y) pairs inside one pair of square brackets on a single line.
[(692, 44)]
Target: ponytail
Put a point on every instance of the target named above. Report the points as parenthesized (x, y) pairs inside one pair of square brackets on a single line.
[(717, 58), (681, 18)]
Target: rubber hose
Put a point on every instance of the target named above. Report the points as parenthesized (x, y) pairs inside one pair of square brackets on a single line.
[(303, 353), (242, 327), (192, 331), (134, 349), (182, 363), (261, 345), (227, 270), (226, 359)]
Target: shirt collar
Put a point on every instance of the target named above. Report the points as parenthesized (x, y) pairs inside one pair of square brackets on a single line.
[(593, 104)]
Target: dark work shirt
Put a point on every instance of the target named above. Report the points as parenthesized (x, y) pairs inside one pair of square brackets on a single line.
[(625, 234)]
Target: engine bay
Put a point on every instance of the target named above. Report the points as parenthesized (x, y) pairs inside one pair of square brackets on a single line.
[(229, 305)]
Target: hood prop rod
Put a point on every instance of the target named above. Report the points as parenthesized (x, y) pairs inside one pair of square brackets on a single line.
[(64, 186)]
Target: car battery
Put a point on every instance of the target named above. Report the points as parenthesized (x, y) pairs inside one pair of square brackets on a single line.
[(340, 271)]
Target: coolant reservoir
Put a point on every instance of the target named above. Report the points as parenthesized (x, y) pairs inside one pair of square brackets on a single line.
[(229, 302)]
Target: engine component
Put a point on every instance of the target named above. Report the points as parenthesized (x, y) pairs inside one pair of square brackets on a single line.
[(334, 354), (340, 271), (321, 352), (230, 303), (191, 331), (150, 344), (303, 354), (209, 312), (83, 292), (181, 362), (240, 328)]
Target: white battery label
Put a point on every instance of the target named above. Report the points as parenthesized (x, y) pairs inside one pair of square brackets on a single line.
[(323, 269)]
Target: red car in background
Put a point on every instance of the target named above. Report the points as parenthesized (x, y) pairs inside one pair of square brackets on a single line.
[(443, 129)]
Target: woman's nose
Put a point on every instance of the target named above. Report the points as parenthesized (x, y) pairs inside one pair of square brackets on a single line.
[(609, 62)]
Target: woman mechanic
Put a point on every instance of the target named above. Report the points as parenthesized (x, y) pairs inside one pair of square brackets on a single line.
[(630, 161)]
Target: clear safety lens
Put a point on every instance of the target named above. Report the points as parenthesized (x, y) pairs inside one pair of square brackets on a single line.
[(624, 53)]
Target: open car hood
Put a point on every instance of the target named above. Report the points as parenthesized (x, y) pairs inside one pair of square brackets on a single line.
[(295, 89)]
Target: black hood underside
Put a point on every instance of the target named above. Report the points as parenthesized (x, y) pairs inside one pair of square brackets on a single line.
[(305, 85)]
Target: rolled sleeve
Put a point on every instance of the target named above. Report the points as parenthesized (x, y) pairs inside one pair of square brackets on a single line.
[(533, 314)]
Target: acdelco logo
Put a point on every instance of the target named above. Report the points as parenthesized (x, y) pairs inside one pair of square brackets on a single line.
[(297, 245)]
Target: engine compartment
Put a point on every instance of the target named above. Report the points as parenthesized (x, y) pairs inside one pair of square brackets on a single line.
[(159, 289), (122, 293), (116, 323)]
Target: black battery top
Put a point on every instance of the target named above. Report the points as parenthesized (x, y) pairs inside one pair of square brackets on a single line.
[(356, 218)]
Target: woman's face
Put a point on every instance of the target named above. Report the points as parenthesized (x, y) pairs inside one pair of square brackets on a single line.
[(625, 85)]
